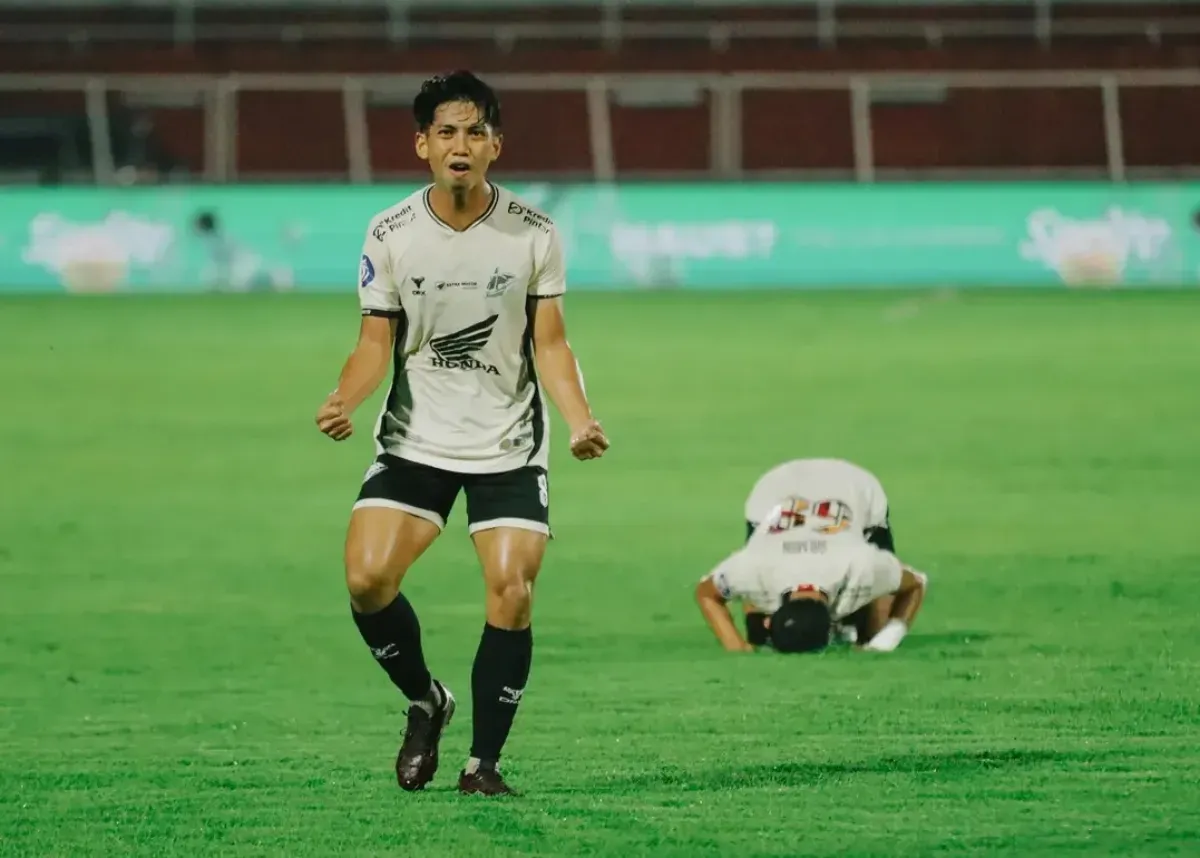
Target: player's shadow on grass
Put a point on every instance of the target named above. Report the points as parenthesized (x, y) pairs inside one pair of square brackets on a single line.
[(945, 645), (785, 774), (916, 640)]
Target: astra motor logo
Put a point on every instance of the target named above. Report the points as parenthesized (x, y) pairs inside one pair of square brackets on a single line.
[(1094, 250)]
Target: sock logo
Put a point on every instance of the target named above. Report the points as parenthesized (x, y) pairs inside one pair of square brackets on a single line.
[(512, 695), (384, 653)]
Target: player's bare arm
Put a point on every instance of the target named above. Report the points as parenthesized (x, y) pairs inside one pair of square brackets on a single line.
[(563, 380), (869, 620), (906, 604), (362, 373), (716, 613)]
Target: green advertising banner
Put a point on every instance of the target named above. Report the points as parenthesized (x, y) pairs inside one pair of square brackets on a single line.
[(638, 236)]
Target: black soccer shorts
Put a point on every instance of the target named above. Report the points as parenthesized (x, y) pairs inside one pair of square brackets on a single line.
[(518, 498)]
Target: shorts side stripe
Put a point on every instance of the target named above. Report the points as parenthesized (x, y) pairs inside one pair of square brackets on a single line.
[(519, 523), (403, 507)]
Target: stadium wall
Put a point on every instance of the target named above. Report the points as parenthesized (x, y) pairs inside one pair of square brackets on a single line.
[(636, 236)]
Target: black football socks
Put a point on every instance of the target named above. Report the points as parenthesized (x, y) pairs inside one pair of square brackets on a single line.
[(498, 680), (394, 636)]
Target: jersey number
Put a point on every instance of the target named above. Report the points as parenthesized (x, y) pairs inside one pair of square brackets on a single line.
[(826, 516)]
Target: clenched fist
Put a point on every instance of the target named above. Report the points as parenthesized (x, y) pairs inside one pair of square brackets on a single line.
[(333, 420), (588, 441)]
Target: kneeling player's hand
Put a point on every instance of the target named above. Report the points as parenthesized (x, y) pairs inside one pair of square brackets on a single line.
[(333, 420), (888, 638), (588, 441)]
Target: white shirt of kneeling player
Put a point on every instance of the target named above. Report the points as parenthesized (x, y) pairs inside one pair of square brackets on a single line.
[(779, 560), (860, 501)]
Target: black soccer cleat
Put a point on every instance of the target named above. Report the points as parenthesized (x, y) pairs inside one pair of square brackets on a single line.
[(417, 762), (484, 782)]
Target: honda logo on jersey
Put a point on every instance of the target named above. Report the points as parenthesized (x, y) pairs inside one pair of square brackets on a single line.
[(457, 350)]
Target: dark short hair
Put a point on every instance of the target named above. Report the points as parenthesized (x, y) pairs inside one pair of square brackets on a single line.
[(456, 86), (801, 625)]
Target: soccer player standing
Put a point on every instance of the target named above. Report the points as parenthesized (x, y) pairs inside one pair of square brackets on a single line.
[(461, 290)]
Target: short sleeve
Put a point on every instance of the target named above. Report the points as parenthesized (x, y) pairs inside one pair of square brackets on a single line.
[(377, 293), (730, 578), (872, 573), (550, 275)]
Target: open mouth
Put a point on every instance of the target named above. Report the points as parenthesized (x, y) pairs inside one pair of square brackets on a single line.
[(459, 168)]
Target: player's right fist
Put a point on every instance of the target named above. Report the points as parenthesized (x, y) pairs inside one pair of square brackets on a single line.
[(588, 441), (333, 420)]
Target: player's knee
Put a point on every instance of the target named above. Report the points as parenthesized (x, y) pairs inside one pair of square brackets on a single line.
[(372, 585), (511, 599)]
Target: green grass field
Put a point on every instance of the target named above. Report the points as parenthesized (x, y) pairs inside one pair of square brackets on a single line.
[(179, 675)]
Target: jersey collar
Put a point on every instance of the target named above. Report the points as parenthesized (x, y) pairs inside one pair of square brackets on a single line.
[(491, 207)]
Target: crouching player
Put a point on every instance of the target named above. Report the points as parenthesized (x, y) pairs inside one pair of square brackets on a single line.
[(851, 498), (805, 581)]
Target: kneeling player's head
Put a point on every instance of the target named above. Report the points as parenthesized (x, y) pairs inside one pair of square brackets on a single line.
[(801, 625), (458, 128)]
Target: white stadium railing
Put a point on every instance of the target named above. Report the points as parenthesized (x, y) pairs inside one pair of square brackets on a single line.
[(219, 97)]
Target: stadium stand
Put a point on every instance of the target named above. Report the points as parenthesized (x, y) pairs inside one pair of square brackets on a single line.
[(279, 90)]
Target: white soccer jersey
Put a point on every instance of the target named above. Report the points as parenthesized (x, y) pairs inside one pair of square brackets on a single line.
[(831, 494), (850, 571), (464, 395)]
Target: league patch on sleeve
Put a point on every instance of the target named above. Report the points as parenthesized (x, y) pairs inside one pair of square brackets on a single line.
[(721, 582), (366, 272)]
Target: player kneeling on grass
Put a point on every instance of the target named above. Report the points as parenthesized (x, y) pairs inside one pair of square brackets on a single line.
[(844, 497), (805, 580)]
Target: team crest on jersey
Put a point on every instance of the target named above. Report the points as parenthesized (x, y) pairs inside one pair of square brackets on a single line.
[(499, 283), (366, 272)]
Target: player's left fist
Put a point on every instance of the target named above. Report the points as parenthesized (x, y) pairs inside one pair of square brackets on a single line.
[(588, 441), (333, 420)]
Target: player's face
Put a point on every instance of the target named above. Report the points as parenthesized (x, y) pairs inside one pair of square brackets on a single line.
[(807, 591), (459, 146)]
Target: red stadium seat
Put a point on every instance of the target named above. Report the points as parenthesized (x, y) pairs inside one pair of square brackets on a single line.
[(550, 132)]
